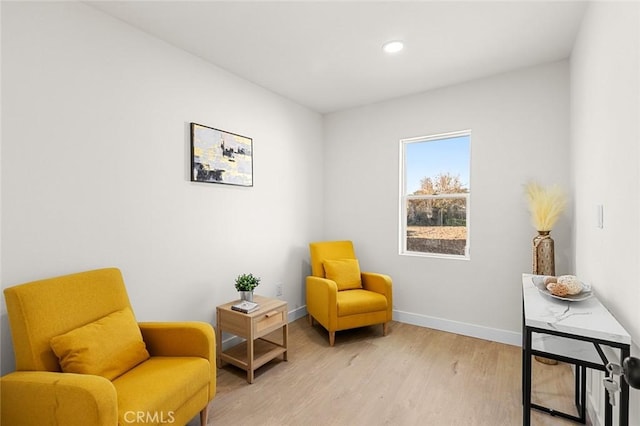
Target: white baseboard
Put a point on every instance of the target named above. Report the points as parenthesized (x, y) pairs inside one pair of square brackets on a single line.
[(297, 313), (465, 329)]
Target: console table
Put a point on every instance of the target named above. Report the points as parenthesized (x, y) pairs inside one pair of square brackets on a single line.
[(575, 333), (254, 326)]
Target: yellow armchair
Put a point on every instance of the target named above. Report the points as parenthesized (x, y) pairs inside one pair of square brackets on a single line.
[(59, 326), (339, 296)]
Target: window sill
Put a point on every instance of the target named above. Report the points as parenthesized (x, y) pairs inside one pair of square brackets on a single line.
[(435, 255)]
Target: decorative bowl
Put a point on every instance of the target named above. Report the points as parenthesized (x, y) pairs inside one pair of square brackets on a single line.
[(586, 293)]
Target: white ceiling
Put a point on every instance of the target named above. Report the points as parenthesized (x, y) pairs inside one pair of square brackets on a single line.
[(327, 55)]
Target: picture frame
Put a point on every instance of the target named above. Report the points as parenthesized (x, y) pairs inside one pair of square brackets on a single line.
[(222, 157)]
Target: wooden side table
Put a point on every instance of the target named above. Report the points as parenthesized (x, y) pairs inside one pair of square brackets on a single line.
[(256, 350)]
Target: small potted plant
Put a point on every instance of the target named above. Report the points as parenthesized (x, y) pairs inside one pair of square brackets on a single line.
[(245, 284)]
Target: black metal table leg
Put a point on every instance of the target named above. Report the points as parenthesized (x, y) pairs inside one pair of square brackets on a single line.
[(583, 394), (625, 352), (526, 378)]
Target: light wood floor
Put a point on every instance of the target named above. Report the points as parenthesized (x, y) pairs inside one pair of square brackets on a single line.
[(413, 376)]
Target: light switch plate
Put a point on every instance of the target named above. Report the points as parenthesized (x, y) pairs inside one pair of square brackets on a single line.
[(600, 217)]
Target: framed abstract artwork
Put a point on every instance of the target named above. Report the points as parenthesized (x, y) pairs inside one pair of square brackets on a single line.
[(220, 157)]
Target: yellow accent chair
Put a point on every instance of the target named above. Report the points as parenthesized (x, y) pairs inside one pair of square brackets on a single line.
[(83, 360), (340, 296)]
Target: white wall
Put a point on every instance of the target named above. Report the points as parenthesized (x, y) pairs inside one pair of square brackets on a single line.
[(520, 131), (605, 140), (95, 167), (94, 172)]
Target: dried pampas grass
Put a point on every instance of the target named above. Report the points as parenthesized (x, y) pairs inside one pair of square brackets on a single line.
[(546, 205)]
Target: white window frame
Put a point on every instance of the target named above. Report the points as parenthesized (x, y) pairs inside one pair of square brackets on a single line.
[(404, 198)]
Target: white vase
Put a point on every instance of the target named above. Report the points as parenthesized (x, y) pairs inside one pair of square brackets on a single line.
[(246, 295)]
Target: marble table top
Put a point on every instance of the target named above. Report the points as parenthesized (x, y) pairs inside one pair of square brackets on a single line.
[(588, 318)]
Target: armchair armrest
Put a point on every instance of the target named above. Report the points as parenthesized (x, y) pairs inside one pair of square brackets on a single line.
[(322, 301), (190, 338), (43, 397), (380, 283)]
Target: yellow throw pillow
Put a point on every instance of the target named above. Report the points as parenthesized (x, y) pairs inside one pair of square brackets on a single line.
[(108, 347), (345, 273)]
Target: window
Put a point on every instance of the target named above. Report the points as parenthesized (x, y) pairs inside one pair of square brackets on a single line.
[(434, 195)]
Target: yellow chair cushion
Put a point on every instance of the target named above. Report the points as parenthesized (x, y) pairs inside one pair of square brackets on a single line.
[(108, 347), (344, 272), (144, 388), (353, 302)]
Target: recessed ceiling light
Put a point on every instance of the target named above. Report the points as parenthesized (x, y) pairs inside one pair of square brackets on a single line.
[(393, 46)]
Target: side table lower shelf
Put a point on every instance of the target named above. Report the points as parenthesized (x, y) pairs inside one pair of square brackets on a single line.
[(263, 352)]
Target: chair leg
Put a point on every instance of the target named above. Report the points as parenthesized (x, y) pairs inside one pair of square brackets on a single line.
[(204, 414), (332, 338), (310, 318), (385, 329)]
